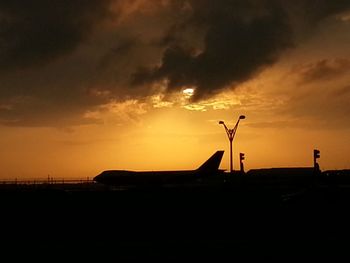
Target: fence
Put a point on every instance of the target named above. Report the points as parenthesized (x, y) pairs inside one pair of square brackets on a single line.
[(46, 181)]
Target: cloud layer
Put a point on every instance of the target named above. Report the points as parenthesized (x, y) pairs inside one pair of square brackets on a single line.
[(61, 59), (241, 38), (37, 31)]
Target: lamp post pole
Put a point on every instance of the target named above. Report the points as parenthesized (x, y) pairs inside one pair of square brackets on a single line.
[(231, 134)]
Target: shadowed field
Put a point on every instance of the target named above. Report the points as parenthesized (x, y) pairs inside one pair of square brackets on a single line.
[(240, 219)]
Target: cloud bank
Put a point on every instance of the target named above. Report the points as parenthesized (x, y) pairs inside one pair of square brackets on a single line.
[(61, 59)]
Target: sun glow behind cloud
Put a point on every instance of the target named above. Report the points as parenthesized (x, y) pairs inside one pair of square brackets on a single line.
[(136, 85), (159, 133), (188, 92)]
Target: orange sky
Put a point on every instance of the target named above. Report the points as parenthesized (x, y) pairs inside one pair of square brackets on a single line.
[(75, 114)]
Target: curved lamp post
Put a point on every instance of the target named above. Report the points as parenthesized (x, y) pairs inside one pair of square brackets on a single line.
[(231, 134)]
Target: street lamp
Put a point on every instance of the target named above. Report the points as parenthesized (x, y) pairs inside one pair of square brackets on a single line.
[(231, 134)]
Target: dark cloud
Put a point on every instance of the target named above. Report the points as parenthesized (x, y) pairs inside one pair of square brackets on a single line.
[(58, 62), (36, 86), (33, 32), (323, 70), (242, 37), (316, 10)]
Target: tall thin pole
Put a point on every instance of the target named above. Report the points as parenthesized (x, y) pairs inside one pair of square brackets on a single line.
[(231, 159)]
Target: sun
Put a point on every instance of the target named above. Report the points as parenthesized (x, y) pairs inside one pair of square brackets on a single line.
[(188, 92)]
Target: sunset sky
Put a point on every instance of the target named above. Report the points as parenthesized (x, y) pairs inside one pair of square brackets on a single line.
[(87, 86)]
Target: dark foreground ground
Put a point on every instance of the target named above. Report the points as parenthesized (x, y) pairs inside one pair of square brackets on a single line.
[(196, 223)]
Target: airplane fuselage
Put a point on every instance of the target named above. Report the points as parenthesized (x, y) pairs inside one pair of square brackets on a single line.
[(127, 178), (154, 178)]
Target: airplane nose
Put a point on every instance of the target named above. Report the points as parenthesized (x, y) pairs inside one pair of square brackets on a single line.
[(96, 178)]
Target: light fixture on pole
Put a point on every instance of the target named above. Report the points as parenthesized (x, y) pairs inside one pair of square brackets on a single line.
[(231, 134)]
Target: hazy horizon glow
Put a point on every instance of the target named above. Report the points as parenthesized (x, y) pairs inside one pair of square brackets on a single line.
[(142, 85)]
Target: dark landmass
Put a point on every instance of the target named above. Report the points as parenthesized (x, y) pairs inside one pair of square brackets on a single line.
[(247, 217)]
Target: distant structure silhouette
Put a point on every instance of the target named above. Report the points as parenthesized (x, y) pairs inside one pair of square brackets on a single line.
[(241, 164), (316, 165), (283, 172)]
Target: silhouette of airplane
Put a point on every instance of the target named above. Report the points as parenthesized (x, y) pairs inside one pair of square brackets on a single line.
[(157, 178)]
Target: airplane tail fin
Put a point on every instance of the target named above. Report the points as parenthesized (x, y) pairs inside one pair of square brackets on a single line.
[(213, 163)]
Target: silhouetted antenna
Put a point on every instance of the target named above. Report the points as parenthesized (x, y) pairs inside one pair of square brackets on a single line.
[(231, 134), (241, 165), (316, 156)]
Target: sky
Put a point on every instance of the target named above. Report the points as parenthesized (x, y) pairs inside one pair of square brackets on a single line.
[(87, 86)]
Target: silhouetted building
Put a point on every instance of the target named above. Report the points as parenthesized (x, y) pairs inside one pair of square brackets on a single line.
[(284, 172)]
